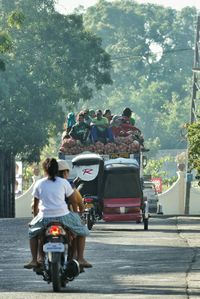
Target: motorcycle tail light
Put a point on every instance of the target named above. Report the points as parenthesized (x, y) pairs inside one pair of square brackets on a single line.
[(55, 230), (88, 200)]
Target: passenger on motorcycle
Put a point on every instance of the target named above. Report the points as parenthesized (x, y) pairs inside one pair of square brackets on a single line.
[(63, 172), (49, 205)]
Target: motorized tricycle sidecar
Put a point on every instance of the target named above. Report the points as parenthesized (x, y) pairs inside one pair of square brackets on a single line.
[(122, 192), (89, 169)]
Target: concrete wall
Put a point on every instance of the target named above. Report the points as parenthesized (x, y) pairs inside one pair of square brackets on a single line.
[(23, 202), (173, 200), (195, 202)]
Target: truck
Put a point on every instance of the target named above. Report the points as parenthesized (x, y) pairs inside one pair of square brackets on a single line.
[(125, 150), (128, 142), (124, 147)]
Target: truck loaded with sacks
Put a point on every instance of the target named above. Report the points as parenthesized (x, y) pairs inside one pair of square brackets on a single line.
[(103, 134), (102, 154)]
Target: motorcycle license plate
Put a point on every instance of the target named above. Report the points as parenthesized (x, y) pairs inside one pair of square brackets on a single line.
[(54, 247)]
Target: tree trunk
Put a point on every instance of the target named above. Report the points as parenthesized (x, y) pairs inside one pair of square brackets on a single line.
[(7, 185)]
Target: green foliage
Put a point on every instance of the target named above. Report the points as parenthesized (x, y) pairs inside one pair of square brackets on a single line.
[(167, 182), (154, 167), (153, 145), (155, 85), (173, 115), (16, 19), (194, 145), (28, 173), (54, 60), (2, 65), (57, 61), (51, 149), (5, 42)]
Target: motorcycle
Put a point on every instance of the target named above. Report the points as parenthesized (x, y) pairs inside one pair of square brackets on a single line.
[(93, 211), (58, 267)]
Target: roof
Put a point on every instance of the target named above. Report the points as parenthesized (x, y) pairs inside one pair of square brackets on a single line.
[(128, 162), (87, 159)]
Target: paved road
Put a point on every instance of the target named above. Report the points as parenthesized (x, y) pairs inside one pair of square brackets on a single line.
[(129, 262)]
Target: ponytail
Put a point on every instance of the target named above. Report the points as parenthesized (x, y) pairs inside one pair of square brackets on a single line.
[(50, 166)]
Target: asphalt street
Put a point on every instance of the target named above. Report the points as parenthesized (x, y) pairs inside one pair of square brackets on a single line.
[(128, 262)]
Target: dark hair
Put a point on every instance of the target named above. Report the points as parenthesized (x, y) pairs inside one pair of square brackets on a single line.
[(127, 112), (80, 114), (99, 111), (107, 111), (50, 166), (61, 173), (86, 111)]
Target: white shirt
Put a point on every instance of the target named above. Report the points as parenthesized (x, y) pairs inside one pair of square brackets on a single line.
[(51, 195)]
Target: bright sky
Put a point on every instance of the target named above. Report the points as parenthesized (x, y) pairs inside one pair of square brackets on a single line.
[(67, 6)]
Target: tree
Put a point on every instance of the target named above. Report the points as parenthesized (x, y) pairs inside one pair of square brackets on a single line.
[(5, 46), (193, 135), (152, 57), (7, 163), (53, 60)]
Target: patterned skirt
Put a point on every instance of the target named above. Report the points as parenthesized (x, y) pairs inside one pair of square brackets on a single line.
[(72, 221)]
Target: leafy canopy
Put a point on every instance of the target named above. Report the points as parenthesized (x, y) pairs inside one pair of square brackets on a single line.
[(151, 49), (51, 61), (193, 130)]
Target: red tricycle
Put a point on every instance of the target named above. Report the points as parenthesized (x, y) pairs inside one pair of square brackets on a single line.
[(112, 189)]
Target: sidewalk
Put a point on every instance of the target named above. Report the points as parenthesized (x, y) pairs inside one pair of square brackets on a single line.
[(189, 230)]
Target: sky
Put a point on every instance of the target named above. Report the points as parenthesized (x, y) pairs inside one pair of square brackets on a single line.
[(67, 6)]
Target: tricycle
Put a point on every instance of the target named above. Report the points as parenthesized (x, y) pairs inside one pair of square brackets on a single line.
[(112, 189), (89, 168), (122, 192)]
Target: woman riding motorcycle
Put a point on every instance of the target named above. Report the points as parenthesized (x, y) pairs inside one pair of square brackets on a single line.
[(49, 205)]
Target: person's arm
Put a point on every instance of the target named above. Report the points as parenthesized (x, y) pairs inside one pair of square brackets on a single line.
[(35, 206), (79, 200), (88, 127), (72, 132), (72, 199)]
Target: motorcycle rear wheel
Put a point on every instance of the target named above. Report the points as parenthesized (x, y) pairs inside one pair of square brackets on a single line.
[(55, 276), (90, 221), (146, 223)]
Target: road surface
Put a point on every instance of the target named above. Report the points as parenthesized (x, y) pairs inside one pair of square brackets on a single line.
[(128, 262)]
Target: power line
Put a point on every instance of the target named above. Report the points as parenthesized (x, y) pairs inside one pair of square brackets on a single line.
[(155, 53), (130, 56)]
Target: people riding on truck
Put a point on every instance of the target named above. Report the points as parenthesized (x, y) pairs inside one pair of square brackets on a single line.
[(70, 121), (107, 113), (92, 113), (103, 133), (127, 116), (81, 130), (100, 130)]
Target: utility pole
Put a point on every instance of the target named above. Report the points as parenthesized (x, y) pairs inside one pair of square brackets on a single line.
[(193, 107)]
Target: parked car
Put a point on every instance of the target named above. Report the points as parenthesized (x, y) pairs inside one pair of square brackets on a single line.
[(150, 193)]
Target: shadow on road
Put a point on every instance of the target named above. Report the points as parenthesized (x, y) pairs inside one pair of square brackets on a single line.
[(125, 260)]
